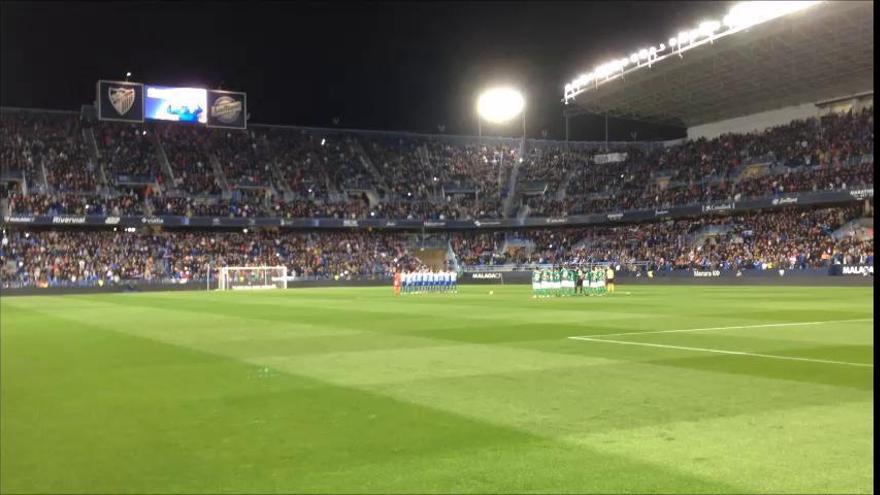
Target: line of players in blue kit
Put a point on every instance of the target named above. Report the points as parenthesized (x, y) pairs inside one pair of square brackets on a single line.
[(425, 281)]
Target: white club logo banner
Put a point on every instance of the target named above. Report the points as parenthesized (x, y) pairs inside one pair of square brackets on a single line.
[(858, 270), (226, 109), (121, 98), (785, 201)]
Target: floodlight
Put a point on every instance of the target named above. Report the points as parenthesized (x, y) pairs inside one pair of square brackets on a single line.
[(709, 27), (741, 16), (745, 14), (499, 105)]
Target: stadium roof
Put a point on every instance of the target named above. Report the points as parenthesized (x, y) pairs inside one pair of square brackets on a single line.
[(817, 54)]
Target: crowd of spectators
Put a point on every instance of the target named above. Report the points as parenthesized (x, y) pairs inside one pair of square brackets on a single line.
[(242, 156), (128, 149), (123, 202), (75, 258), (787, 239), (815, 154), (431, 178), (17, 134), (52, 258), (184, 147), (299, 161), (33, 142)]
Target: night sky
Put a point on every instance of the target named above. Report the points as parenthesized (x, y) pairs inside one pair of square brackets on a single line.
[(393, 66)]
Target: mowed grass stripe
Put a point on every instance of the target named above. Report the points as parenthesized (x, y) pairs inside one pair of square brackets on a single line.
[(425, 311), (382, 359), (515, 375), (673, 444), (502, 331), (148, 417)]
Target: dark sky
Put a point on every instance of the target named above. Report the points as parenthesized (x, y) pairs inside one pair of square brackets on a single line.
[(395, 66)]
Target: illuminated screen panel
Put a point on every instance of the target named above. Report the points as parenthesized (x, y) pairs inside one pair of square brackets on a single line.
[(176, 104)]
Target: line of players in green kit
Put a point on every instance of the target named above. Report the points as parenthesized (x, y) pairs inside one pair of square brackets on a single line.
[(568, 281)]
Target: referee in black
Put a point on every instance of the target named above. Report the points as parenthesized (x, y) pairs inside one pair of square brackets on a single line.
[(579, 283)]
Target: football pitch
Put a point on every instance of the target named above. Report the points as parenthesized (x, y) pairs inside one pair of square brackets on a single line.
[(665, 389)]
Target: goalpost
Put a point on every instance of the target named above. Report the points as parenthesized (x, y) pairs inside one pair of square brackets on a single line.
[(252, 278)]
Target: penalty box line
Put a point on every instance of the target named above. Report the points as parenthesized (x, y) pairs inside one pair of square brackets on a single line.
[(721, 351), (767, 325)]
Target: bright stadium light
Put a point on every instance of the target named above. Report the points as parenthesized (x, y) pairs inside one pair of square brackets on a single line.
[(708, 28), (740, 17), (499, 105), (745, 14)]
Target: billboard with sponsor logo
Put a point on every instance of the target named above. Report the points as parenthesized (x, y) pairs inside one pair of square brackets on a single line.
[(120, 101), (227, 109), (718, 207), (482, 278), (788, 200), (135, 102)]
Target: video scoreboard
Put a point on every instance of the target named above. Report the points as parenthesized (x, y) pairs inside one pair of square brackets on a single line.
[(126, 101)]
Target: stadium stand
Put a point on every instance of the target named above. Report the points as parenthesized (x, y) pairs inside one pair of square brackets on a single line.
[(834, 152), (791, 239), (292, 173)]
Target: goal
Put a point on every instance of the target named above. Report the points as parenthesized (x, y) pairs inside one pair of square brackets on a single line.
[(252, 277)]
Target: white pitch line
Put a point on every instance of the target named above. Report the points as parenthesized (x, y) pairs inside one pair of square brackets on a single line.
[(768, 325), (721, 351)]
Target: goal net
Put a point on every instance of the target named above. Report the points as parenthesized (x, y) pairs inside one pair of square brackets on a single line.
[(252, 277)]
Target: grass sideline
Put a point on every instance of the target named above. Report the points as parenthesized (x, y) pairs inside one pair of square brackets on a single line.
[(352, 390)]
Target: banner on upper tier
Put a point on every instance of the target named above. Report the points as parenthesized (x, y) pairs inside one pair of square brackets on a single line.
[(803, 199)]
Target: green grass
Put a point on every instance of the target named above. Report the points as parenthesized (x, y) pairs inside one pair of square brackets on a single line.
[(351, 390)]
